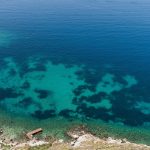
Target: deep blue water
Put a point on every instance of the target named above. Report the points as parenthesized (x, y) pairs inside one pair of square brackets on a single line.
[(109, 36), (92, 32)]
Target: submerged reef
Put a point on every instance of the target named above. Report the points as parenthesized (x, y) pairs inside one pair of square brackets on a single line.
[(71, 92)]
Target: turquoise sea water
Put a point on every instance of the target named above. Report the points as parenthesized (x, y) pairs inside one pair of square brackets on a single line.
[(68, 62)]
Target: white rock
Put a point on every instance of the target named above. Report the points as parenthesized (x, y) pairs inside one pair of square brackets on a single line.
[(36, 143), (112, 141), (61, 140), (83, 138)]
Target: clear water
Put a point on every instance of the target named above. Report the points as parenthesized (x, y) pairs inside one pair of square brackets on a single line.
[(77, 60)]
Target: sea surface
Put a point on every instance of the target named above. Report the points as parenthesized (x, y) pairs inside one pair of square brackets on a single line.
[(69, 61)]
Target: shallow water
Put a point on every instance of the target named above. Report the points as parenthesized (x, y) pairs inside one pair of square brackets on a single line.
[(78, 60)]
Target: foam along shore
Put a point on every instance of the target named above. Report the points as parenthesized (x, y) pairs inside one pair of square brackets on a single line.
[(80, 140)]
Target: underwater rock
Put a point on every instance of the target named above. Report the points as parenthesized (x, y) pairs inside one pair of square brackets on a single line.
[(26, 102), (25, 85), (8, 93), (96, 98), (43, 114), (78, 91), (67, 113), (42, 93)]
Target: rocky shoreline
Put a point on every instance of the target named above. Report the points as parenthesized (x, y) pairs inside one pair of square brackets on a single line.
[(80, 139)]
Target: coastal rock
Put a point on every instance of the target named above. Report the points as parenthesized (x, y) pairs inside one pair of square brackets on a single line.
[(84, 138), (76, 132)]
